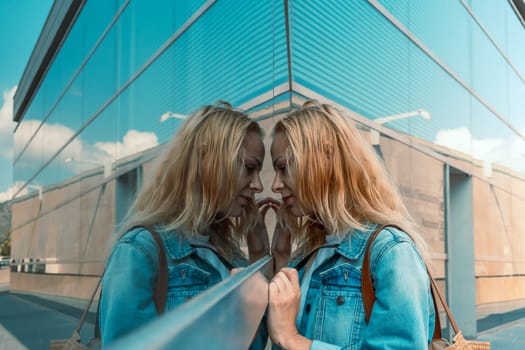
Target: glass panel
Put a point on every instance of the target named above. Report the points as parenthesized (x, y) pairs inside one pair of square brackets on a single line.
[(64, 66), (380, 73), (491, 83), (451, 42), (99, 82), (460, 44), (140, 108), (238, 53), (422, 190), (99, 144), (515, 39), (25, 227), (79, 42), (138, 39), (96, 15), (63, 120), (350, 72), (516, 100), (490, 139), (400, 81), (504, 26), (28, 126)]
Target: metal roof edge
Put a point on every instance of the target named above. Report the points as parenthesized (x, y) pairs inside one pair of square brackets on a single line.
[(61, 16)]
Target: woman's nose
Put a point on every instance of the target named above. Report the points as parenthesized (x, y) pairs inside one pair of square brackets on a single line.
[(277, 184), (256, 184)]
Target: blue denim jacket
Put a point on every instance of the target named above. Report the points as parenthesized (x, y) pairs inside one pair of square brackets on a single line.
[(127, 288), (403, 313)]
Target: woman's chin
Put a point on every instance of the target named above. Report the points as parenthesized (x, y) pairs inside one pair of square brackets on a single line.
[(236, 212), (297, 212)]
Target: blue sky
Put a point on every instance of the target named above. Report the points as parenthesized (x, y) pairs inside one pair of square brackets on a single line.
[(21, 21)]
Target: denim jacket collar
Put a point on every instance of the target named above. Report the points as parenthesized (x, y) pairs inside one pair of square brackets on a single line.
[(352, 246), (177, 246)]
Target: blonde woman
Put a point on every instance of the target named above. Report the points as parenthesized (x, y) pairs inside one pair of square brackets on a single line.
[(335, 192), (201, 202)]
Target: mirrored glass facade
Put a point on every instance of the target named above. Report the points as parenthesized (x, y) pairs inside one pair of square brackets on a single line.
[(437, 86)]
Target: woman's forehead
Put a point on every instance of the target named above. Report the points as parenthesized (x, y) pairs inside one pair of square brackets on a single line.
[(279, 143)]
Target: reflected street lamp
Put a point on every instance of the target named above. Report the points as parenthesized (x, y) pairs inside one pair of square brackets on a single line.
[(374, 134), (169, 115), (38, 188), (107, 166)]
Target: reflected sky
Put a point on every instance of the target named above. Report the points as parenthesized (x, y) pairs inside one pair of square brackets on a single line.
[(21, 25), (116, 75)]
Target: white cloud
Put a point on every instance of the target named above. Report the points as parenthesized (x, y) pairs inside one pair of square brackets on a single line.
[(461, 140), (81, 154), (510, 152), (48, 139), (52, 137), (134, 141), (7, 195), (7, 124)]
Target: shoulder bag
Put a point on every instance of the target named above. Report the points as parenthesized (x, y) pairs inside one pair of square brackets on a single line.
[(437, 343)]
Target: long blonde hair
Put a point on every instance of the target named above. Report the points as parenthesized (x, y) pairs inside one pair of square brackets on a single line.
[(197, 177), (338, 178)]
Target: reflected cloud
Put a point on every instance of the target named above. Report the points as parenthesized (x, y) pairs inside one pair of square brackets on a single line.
[(6, 123), (7, 195), (78, 151), (509, 152), (50, 138), (134, 141)]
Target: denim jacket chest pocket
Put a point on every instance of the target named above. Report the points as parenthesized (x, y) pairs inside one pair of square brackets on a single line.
[(187, 281), (340, 315)]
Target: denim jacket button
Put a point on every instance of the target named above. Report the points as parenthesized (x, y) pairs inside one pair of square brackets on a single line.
[(340, 300), (308, 308)]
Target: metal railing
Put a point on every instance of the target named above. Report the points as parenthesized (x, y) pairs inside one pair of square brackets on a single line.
[(226, 316)]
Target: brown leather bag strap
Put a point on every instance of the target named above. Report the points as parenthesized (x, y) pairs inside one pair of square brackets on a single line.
[(367, 288), (369, 297), (435, 291), (161, 288)]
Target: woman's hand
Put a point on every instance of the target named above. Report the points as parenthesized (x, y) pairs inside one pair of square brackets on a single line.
[(285, 299), (257, 239), (281, 247)]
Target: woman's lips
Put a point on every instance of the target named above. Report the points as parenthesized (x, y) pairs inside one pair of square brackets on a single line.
[(245, 199), (288, 200)]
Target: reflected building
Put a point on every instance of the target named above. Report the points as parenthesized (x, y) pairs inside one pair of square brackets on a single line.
[(437, 87)]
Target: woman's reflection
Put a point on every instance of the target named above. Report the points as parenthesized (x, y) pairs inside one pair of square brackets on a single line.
[(201, 202)]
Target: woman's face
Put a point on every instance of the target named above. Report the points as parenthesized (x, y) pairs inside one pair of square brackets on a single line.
[(283, 182), (249, 181)]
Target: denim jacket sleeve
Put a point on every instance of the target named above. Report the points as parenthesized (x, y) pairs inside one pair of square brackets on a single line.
[(127, 290), (402, 314), (126, 301)]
